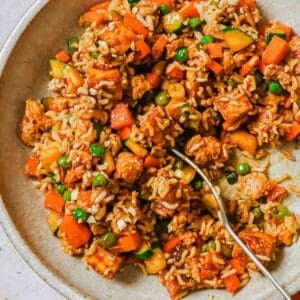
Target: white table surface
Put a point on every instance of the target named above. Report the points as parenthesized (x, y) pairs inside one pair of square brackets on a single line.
[(17, 280)]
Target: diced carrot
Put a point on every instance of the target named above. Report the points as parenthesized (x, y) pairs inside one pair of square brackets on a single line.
[(86, 197), (31, 165), (62, 56), (159, 46), (293, 132), (240, 270), (275, 51), (189, 10), (215, 50), (207, 274), (214, 66), (94, 16), (232, 283), (121, 116), (170, 3), (277, 193), (154, 79), (124, 133), (171, 244), (132, 22), (151, 161), (76, 234), (54, 201), (143, 49), (262, 67), (101, 6), (73, 175), (117, 94), (249, 65), (248, 4), (127, 243), (176, 73)]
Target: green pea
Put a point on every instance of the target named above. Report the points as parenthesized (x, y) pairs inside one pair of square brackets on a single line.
[(95, 55), (164, 9), (198, 185), (210, 245), (67, 195), (72, 44), (80, 214), (161, 98), (257, 213), (182, 54), (107, 240), (207, 39), (275, 88), (242, 169), (60, 188), (194, 22), (64, 162), (258, 78), (97, 150), (99, 180), (231, 177)]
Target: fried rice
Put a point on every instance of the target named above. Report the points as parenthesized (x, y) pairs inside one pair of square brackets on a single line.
[(206, 77)]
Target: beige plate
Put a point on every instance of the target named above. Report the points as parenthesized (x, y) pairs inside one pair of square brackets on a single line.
[(24, 67)]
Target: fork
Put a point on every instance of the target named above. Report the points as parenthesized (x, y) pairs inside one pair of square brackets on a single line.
[(227, 225)]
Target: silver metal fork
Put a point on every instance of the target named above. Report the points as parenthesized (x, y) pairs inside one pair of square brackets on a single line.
[(228, 227)]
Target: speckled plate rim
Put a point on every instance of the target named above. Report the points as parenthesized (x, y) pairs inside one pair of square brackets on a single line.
[(32, 260), (19, 244)]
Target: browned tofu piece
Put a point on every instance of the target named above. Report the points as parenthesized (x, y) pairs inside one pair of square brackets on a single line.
[(120, 38), (33, 123), (102, 261), (234, 109), (261, 243)]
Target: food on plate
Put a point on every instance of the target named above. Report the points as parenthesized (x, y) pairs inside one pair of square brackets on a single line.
[(145, 76)]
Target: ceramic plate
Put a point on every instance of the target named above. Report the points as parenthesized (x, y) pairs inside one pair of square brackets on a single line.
[(24, 68)]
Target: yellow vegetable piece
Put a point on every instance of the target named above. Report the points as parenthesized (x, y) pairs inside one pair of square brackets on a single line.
[(187, 174), (237, 39), (176, 90), (244, 141), (209, 201), (52, 220), (73, 76), (61, 70), (49, 155), (136, 148), (57, 68), (108, 159), (156, 263)]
